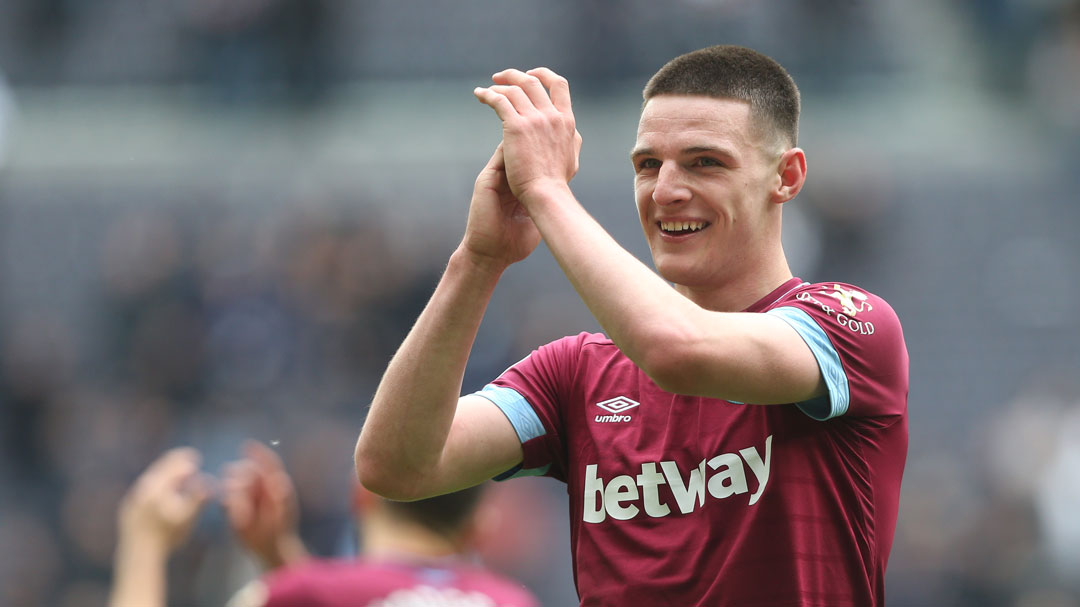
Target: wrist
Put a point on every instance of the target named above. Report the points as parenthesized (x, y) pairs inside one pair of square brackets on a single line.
[(142, 547), (467, 260), (283, 551), (291, 550), (544, 193)]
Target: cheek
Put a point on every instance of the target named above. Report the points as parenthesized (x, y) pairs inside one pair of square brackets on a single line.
[(641, 201)]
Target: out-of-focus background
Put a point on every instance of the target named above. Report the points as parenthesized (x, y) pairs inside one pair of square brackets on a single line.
[(218, 218)]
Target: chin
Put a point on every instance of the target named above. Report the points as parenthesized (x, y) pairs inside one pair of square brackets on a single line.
[(678, 273)]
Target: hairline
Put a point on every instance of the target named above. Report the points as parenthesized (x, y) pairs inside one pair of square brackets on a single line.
[(770, 137)]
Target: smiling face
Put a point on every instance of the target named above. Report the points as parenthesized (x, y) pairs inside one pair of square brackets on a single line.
[(705, 183)]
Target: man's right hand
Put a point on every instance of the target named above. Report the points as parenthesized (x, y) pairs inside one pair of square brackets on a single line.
[(262, 508), (499, 230)]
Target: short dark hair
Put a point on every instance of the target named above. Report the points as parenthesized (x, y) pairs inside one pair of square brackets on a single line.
[(444, 514), (734, 72)]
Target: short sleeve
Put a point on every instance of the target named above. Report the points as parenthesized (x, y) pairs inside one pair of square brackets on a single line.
[(858, 342), (531, 394)]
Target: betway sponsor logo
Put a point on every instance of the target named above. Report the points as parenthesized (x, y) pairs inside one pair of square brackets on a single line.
[(616, 405), (626, 496)]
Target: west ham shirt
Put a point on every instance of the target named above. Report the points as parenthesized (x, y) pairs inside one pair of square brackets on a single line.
[(359, 583), (682, 500)]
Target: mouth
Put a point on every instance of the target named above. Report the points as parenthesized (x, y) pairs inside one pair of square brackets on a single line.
[(681, 228)]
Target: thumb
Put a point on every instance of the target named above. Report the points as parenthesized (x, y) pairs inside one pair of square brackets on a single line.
[(497, 162)]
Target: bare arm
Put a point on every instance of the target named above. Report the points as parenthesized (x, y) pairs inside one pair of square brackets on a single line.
[(155, 517), (419, 438), (683, 347)]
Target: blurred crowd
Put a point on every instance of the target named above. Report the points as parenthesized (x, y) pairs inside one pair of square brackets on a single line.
[(214, 327), (204, 321)]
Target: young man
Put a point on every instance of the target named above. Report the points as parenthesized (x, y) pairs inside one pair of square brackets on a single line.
[(738, 436), (412, 553)]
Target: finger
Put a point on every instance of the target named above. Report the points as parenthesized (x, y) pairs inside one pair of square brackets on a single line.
[(558, 87), (237, 498), (268, 464), (172, 464), (265, 459), (498, 160), (238, 510), (272, 476), (497, 100), (170, 481), (528, 83), (517, 96), (191, 500), (202, 487)]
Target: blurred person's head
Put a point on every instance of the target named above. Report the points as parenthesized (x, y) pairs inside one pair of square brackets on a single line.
[(437, 526), (714, 161)]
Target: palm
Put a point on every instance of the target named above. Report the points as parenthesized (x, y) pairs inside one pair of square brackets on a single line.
[(499, 227)]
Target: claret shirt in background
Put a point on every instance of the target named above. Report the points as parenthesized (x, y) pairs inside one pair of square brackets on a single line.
[(687, 501), (383, 583)]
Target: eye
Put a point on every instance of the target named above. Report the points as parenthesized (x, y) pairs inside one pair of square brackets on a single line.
[(707, 161), (647, 164)]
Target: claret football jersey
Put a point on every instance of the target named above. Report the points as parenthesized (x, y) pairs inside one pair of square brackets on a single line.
[(682, 500), (383, 583)]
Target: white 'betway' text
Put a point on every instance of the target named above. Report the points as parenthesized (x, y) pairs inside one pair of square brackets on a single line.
[(625, 496)]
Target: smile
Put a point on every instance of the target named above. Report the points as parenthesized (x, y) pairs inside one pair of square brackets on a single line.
[(678, 228)]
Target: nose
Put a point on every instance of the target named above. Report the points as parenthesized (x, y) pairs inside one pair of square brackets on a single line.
[(670, 185)]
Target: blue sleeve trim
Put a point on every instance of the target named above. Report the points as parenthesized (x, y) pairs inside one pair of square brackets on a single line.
[(516, 409), (524, 420), (828, 361)]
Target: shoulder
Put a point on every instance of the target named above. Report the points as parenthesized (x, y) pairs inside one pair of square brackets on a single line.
[(861, 326), (307, 582), (570, 349), (845, 304), (582, 340), (849, 296), (506, 591)]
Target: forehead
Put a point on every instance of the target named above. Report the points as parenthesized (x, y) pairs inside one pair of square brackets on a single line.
[(679, 121)]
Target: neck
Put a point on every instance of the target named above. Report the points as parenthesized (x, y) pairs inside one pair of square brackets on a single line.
[(741, 290), (398, 539)]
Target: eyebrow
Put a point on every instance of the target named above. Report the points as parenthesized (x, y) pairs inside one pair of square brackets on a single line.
[(696, 149)]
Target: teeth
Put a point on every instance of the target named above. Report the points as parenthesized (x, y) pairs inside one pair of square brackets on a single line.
[(681, 226)]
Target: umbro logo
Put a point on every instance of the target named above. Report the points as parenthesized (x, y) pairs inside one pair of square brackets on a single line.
[(616, 406)]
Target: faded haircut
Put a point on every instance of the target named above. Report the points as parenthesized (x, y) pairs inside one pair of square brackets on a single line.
[(735, 72), (444, 514)]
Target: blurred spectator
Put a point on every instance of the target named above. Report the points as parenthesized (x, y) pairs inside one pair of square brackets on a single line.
[(411, 551), (1019, 546), (251, 49)]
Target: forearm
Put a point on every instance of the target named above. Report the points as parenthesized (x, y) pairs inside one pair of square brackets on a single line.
[(413, 409), (635, 306), (139, 574)]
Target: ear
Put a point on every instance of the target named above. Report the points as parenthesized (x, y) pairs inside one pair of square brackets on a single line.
[(791, 169)]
